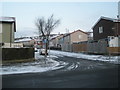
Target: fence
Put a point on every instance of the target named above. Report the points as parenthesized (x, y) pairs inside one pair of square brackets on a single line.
[(79, 47), (114, 50), (97, 47), (100, 47), (17, 53), (93, 47), (66, 47), (13, 45)]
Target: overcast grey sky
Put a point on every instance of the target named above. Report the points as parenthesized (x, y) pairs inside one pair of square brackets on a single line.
[(73, 15)]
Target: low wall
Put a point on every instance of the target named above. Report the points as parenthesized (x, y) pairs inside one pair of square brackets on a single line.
[(17, 53)]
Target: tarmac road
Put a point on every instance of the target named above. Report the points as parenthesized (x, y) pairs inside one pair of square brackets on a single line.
[(78, 73)]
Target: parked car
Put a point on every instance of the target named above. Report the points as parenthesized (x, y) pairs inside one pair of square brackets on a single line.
[(42, 51)]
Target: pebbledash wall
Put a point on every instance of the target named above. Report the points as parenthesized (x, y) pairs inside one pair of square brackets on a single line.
[(9, 54)]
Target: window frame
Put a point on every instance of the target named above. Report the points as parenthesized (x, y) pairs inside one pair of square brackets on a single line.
[(100, 29)]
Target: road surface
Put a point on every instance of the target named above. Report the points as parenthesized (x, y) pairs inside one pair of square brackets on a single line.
[(78, 73)]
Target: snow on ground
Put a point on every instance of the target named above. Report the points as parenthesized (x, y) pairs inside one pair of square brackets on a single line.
[(40, 65), (111, 59)]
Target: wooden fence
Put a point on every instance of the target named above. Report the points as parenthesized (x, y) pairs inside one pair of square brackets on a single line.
[(94, 47)]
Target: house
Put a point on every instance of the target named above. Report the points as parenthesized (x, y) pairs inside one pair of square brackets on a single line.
[(7, 29), (78, 36), (75, 37), (65, 42), (26, 41), (106, 33), (105, 27), (54, 42)]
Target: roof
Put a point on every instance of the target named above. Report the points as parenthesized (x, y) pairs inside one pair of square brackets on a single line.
[(79, 31), (57, 36), (106, 18), (9, 20), (67, 34), (23, 40)]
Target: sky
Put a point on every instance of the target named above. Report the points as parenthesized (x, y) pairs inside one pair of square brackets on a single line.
[(72, 15)]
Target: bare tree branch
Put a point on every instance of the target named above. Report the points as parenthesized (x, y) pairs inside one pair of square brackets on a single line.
[(45, 27), (40, 24)]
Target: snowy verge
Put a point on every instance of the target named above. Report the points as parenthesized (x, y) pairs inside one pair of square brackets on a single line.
[(111, 59), (40, 65)]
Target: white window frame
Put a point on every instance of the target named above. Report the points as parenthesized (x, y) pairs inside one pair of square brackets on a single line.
[(80, 36), (101, 29)]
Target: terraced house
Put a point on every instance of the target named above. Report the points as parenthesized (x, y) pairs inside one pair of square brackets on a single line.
[(75, 37)]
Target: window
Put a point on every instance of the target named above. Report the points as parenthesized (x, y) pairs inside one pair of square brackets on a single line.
[(101, 29), (79, 36)]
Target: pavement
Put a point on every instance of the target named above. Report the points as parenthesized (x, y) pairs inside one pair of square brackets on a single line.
[(77, 73)]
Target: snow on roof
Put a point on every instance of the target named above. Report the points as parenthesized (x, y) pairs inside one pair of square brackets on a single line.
[(79, 31), (7, 19), (54, 36), (10, 20), (106, 18), (23, 40)]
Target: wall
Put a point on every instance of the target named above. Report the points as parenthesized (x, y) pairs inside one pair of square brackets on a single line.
[(107, 29), (78, 36), (66, 45), (0, 33), (17, 53), (12, 34), (7, 33), (53, 42), (114, 41), (6, 27), (0, 37)]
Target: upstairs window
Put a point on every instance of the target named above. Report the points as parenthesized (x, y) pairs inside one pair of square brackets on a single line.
[(79, 36), (101, 29)]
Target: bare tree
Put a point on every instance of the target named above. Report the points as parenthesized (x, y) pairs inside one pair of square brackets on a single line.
[(45, 27)]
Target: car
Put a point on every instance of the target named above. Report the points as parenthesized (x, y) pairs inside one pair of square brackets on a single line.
[(42, 52)]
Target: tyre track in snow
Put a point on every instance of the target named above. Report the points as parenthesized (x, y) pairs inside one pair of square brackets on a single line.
[(74, 73)]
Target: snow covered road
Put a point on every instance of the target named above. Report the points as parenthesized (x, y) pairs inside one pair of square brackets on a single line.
[(111, 59), (53, 62)]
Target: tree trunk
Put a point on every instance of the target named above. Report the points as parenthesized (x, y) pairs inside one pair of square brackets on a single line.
[(46, 50), (46, 47)]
